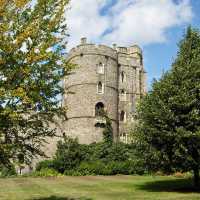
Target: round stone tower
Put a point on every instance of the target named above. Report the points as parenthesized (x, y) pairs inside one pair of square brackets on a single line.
[(92, 88), (105, 79)]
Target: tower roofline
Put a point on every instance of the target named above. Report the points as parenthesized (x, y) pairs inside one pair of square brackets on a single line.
[(115, 47)]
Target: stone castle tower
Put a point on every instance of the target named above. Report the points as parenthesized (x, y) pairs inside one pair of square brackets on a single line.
[(105, 78)]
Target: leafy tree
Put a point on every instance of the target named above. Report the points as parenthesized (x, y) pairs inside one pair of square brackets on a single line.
[(101, 149), (32, 64), (108, 130), (6, 171), (69, 154), (169, 114)]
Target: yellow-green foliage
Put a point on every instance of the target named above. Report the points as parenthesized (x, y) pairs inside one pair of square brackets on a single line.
[(44, 173), (32, 64)]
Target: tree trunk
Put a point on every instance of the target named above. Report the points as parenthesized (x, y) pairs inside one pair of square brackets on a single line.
[(196, 178)]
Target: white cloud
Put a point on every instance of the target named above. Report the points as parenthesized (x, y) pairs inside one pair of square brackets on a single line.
[(127, 22), (84, 19)]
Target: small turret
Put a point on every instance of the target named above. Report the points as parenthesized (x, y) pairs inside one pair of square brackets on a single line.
[(83, 40), (114, 46), (136, 52)]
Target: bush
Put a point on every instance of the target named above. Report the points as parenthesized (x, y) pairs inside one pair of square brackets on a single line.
[(7, 171), (44, 165), (100, 168), (104, 158), (179, 175), (137, 166), (92, 168), (69, 154), (116, 168), (126, 168), (44, 172), (120, 152), (73, 172), (87, 168)]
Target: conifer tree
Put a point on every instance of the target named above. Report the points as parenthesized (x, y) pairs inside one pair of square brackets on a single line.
[(32, 64), (169, 114)]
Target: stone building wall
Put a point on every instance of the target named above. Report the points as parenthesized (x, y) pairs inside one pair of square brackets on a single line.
[(131, 87), (82, 93), (83, 87)]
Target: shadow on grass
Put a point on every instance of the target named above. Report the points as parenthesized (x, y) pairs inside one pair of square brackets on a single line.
[(59, 198), (174, 185)]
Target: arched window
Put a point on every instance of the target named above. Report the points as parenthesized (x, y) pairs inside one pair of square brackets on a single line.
[(100, 88), (141, 60), (99, 109), (123, 95), (100, 68), (123, 76), (122, 116)]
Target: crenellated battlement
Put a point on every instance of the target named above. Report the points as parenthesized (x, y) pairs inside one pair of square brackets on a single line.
[(135, 49), (85, 48), (92, 49)]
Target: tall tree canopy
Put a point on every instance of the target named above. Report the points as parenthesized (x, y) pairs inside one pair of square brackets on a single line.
[(169, 114), (32, 64)]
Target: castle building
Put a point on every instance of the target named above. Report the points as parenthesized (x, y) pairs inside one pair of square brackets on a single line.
[(104, 79)]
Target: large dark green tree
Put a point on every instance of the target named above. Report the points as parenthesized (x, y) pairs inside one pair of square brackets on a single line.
[(169, 115), (32, 65)]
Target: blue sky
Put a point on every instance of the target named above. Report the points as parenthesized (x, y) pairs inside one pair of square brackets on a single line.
[(156, 25), (159, 57)]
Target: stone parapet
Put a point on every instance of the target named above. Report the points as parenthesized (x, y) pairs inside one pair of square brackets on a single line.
[(92, 49)]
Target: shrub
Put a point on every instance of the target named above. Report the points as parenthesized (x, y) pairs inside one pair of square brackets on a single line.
[(100, 151), (100, 168), (179, 175), (69, 154), (74, 172), (125, 167), (87, 168), (159, 173), (119, 152), (7, 171), (114, 168), (44, 165), (90, 168), (44, 172), (137, 166), (104, 158)]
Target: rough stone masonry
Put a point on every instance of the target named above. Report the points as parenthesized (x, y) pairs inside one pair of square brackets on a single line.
[(105, 78)]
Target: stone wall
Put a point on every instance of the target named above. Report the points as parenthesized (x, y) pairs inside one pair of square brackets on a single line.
[(82, 85), (132, 84), (83, 96)]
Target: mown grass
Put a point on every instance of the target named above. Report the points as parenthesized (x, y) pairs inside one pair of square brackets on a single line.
[(98, 188)]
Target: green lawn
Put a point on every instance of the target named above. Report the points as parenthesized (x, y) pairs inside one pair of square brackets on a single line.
[(97, 188)]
